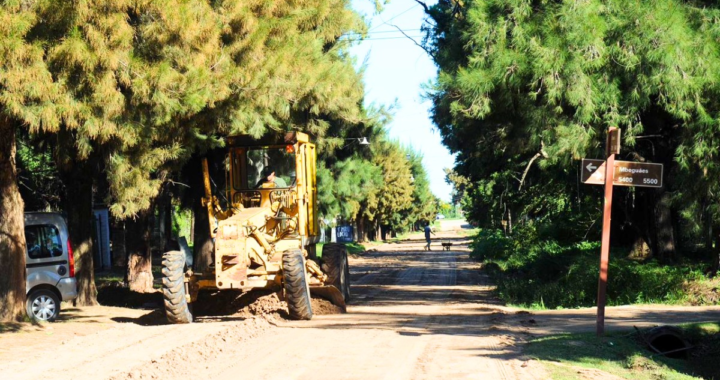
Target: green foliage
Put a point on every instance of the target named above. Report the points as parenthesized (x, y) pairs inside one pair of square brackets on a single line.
[(555, 274), (352, 248), (181, 223), (450, 211), (39, 183), (383, 184), (342, 191), (426, 205), (144, 84), (527, 87), (395, 201)]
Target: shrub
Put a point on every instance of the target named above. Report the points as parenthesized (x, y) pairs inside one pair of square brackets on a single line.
[(552, 274)]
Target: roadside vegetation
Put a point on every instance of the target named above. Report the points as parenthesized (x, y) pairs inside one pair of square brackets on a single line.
[(526, 89), (554, 274), (352, 248), (624, 354)]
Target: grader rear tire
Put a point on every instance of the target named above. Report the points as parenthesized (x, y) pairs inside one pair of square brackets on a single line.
[(335, 265), (297, 290), (176, 305)]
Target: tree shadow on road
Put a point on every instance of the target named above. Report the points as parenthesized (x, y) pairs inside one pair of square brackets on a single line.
[(114, 295), (153, 318), (456, 240)]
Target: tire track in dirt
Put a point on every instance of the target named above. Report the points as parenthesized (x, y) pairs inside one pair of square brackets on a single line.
[(395, 331), (411, 320), (101, 354), (416, 315)]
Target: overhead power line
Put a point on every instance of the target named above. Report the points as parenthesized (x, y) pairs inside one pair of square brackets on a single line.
[(388, 31), (382, 38), (384, 22)]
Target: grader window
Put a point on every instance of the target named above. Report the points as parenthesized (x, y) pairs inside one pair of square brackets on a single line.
[(270, 168)]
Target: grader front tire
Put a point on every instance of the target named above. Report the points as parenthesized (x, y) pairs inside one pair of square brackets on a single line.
[(297, 290), (177, 309)]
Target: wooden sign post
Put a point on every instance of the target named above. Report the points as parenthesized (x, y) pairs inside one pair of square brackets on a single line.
[(611, 173), (612, 148)]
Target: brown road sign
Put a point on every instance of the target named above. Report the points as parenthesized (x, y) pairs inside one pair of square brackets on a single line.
[(627, 173)]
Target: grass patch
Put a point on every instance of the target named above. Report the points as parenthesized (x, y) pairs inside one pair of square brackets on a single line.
[(468, 232), (115, 275), (538, 274), (355, 248), (624, 355)]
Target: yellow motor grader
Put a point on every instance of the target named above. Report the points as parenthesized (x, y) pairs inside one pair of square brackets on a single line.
[(266, 237)]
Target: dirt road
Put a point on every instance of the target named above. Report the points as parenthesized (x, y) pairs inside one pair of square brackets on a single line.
[(415, 315)]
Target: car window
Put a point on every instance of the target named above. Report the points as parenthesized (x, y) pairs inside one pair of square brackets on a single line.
[(43, 242)]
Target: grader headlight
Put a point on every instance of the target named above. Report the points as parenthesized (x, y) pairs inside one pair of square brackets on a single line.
[(230, 231)]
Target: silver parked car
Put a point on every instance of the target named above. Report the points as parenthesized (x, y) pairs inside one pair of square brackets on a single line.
[(49, 264)]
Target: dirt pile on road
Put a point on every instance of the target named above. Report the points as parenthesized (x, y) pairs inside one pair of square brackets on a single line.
[(324, 307), (267, 306), (271, 305), (261, 303), (239, 305), (182, 361)]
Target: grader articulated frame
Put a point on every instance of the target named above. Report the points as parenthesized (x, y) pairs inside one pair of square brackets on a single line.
[(266, 237)]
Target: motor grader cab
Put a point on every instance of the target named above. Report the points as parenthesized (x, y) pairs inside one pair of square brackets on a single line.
[(265, 237)]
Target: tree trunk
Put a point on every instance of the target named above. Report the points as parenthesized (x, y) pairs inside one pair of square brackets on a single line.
[(715, 268), (640, 249), (360, 229), (509, 222), (139, 273), (78, 205), (119, 251), (77, 177), (378, 230), (664, 230), (203, 248), (12, 230), (707, 227)]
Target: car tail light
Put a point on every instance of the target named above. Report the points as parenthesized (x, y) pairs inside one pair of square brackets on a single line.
[(71, 259)]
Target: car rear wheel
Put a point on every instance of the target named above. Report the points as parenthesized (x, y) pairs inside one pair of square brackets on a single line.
[(43, 305)]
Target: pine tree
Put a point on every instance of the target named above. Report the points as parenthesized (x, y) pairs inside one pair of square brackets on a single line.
[(526, 87), (141, 85), (425, 204), (395, 200), (28, 97)]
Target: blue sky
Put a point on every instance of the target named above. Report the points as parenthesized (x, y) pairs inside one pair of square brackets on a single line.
[(396, 69)]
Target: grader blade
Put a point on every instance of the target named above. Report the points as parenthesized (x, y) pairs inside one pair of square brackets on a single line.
[(329, 293)]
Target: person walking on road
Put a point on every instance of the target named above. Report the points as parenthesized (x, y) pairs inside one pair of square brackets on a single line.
[(428, 231)]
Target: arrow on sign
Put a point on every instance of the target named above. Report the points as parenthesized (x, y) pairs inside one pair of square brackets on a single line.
[(591, 167)]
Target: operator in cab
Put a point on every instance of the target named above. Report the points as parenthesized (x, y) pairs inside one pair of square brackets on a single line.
[(269, 180)]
